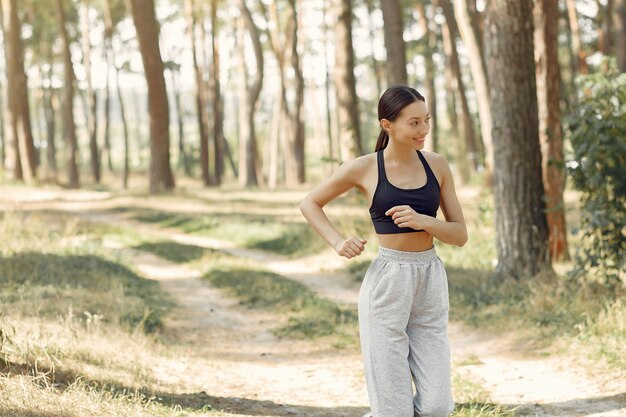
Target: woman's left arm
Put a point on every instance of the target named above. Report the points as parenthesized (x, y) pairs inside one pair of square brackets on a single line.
[(451, 231)]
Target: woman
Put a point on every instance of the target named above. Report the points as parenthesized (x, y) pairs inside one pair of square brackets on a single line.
[(403, 301)]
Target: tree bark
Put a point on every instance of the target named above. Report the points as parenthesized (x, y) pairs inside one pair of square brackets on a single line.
[(91, 114), (183, 160), (161, 178), (249, 167), (50, 107), (394, 42), (71, 150), (345, 86), (201, 100), (619, 22), (548, 74), (19, 130), (480, 78), (126, 172), (333, 145), (521, 229)]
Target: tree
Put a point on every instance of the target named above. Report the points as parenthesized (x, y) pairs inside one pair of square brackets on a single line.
[(479, 76), (92, 117), (345, 88), (249, 169), (548, 76), (216, 97), (431, 96), (146, 25), (201, 99), (619, 21), (71, 150), (521, 229), (23, 158), (394, 42)]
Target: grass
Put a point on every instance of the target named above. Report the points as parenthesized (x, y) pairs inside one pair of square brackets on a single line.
[(309, 316), (471, 400), (174, 251)]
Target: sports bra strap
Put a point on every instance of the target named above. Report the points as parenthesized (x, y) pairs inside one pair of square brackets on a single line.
[(381, 167)]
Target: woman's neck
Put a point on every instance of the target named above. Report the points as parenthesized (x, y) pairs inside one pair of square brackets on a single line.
[(399, 153)]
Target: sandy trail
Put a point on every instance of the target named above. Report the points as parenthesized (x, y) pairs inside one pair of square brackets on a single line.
[(234, 356)]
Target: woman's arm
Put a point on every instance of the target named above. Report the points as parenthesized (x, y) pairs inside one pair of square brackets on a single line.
[(451, 231), (344, 178)]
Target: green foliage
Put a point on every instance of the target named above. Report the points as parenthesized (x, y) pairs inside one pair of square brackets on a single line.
[(597, 131), (173, 251)]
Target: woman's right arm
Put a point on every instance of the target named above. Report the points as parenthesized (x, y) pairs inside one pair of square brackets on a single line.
[(345, 177)]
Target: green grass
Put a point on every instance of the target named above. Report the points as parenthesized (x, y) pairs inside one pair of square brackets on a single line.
[(174, 251), (309, 315), (471, 400)]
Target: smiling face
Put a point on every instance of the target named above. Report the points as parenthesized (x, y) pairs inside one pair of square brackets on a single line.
[(410, 127)]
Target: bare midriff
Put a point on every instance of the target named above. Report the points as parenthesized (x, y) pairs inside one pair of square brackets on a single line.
[(408, 242)]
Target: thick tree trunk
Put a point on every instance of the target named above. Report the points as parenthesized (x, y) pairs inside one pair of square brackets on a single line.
[(216, 98), (521, 229), (479, 76), (161, 178), (92, 118), (71, 148), (249, 168), (548, 75), (345, 86), (450, 35), (394, 42), (19, 128)]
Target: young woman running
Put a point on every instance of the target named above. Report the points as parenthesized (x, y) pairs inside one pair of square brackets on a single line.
[(403, 301)]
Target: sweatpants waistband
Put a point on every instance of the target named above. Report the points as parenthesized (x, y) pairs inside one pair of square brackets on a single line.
[(425, 256)]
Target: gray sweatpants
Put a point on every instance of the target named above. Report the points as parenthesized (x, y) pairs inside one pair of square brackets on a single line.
[(403, 322)]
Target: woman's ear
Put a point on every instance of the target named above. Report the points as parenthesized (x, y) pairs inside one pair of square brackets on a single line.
[(385, 124)]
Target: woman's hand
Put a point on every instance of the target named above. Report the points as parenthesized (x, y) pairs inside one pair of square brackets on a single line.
[(405, 216), (350, 247)]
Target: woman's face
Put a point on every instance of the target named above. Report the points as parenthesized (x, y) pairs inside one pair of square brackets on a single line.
[(411, 126)]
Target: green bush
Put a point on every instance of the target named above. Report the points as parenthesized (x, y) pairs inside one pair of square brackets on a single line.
[(597, 131)]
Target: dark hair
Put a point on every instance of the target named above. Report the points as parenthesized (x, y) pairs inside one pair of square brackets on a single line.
[(390, 104)]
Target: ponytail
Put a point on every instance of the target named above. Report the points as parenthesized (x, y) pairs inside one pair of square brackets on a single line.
[(383, 140)]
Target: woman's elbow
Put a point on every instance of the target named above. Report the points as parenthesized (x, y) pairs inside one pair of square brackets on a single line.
[(463, 238)]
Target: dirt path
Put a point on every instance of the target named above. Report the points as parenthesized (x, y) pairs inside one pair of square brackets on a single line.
[(232, 354)]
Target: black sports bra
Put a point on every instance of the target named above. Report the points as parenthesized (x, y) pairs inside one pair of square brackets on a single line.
[(424, 200)]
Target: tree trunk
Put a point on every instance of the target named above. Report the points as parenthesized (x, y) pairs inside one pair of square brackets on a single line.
[(71, 149), (201, 101), (479, 76), (333, 146), (19, 128), (579, 51), (394, 42), (450, 35), (183, 160), (345, 88), (161, 178), (548, 75), (126, 172), (92, 118), (216, 98), (248, 154), (108, 55), (431, 96), (50, 107), (619, 22), (521, 229)]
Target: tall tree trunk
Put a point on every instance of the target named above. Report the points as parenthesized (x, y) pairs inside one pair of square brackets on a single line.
[(376, 66), (579, 51), (394, 42), (50, 107), (521, 229), (92, 118), (19, 129), (216, 98), (2, 119), (183, 160), (126, 171), (431, 95), (333, 146), (249, 168), (108, 55), (201, 101), (345, 86), (548, 73), (71, 148), (619, 21), (451, 30), (147, 27), (479, 76)]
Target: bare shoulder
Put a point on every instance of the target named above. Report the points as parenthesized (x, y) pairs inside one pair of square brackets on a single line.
[(438, 163), (358, 167)]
